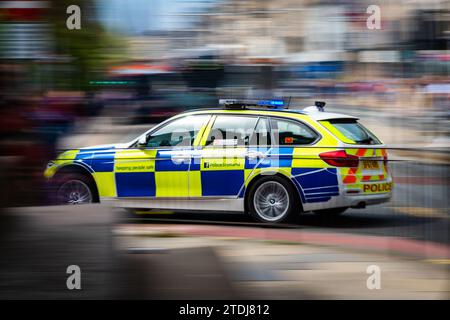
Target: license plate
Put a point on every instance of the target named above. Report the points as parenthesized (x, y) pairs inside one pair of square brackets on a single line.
[(370, 165)]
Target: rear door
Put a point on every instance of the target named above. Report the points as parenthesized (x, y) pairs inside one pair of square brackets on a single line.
[(223, 155)]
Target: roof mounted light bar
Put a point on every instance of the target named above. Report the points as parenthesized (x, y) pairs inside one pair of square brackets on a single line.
[(244, 103)]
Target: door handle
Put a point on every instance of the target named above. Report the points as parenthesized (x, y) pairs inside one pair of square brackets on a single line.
[(180, 158)]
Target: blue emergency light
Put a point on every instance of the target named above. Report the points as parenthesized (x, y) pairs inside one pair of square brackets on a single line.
[(274, 103), (244, 103)]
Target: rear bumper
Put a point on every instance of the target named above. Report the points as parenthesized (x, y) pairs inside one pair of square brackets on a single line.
[(368, 193), (360, 201), (350, 200)]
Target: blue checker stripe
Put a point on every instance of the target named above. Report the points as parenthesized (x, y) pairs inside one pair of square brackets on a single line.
[(270, 162), (283, 151), (330, 190), (312, 180), (195, 164), (135, 184), (281, 157), (281, 161), (103, 162), (296, 171), (84, 155), (251, 163), (315, 179), (222, 183), (169, 165)]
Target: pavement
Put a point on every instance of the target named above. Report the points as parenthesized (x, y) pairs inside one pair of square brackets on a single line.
[(426, 250), (270, 269)]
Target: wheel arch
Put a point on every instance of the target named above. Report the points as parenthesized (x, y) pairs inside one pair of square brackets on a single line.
[(282, 175), (74, 168)]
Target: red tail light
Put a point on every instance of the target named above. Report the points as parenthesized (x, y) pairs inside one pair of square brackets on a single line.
[(385, 162), (339, 159)]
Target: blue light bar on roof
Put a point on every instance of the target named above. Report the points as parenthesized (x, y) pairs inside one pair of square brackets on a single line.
[(242, 103), (274, 103)]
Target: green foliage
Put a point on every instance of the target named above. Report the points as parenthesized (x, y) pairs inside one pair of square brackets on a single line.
[(89, 50)]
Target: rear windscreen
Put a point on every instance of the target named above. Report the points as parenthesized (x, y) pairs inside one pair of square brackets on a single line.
[(351, 131)]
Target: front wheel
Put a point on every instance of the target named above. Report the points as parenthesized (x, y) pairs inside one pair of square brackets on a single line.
[(272, 199), (75, 188)]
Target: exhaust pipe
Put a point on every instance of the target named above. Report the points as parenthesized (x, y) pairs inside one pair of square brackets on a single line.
[(360, 205)]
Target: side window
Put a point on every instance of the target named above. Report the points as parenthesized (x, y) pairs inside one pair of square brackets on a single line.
[(287, 133), (178, 133), (261, 135), (231, 131)]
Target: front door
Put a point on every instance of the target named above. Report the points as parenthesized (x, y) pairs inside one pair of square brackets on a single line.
[(161, 169)]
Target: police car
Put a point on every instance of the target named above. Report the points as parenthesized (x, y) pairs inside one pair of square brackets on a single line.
[(250, 156)]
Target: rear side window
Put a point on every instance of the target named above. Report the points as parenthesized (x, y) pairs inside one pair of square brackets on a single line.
[(289, 133), (351, 131), (261, 135)]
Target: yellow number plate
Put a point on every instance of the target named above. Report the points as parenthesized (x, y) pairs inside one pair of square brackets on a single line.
[(370, 165)]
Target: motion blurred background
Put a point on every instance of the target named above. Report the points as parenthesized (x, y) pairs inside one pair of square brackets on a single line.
[(135, 63)]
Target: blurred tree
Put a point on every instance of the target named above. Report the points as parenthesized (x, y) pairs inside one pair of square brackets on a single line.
[(88, 50)]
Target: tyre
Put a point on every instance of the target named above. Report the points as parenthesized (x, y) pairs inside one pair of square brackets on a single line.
[(273, 200), (74, 188), (334, 212)]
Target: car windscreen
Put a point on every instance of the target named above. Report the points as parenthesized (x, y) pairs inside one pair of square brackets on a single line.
[(351, 131)]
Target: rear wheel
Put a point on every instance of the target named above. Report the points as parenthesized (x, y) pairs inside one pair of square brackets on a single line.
[(334, 212), (75, 188), (272, 199)]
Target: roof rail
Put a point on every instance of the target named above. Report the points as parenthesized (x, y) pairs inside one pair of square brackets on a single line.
[(245, 103)]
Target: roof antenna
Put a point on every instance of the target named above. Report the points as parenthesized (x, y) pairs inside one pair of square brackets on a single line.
[(320, 105), (289, 102)]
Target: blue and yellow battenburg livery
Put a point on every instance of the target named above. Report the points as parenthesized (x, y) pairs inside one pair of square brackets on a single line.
[(289, 174)]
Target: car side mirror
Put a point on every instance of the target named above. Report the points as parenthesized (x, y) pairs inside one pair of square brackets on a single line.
[(142, 142)]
